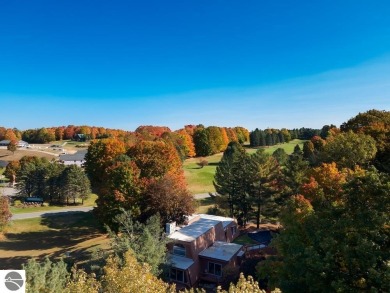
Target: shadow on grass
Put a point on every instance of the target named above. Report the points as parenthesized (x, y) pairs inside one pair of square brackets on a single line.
[(206, 201), (65, 230)]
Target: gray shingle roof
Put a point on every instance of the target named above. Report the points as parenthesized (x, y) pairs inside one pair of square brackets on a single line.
[(79, 156)]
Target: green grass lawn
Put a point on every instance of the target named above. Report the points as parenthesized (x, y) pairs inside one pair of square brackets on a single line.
[(200, 180), (79, 234), (19, 210), (288, 147), (204, 205)]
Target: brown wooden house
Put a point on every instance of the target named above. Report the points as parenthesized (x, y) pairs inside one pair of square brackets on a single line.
[(202, 249)]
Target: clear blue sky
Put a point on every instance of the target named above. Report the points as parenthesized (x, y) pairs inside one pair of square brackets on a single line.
[(262, 63)]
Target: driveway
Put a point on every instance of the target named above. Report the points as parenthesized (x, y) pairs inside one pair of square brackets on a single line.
[(49, 213)]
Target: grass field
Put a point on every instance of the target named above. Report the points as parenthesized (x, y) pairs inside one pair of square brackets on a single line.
[(6, 155), (19, 210), (200, 180), (78, 234)]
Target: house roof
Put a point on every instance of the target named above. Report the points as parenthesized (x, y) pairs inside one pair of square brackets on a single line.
[(196, 229), (221, 250), (79, 156), (225, 220), (181, 262)]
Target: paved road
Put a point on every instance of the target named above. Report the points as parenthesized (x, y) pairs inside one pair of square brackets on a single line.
[(49, 213), (10, 191), (201, 195)]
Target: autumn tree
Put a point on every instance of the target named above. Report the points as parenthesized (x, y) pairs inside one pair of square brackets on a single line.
[(155, 159), (188, 143), (100, 155), (178, 142), (11, 170), (202, 162), (242, 134), (376, 124), (169, 197), (216, 141), (5, 213), (335, 238), (12, 146), (10, 135), (121, 190)]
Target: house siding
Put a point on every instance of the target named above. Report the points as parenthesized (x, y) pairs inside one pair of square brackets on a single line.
[(197, 271)]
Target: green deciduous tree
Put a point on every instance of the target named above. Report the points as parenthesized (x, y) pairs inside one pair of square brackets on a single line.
[(349, 149), (376, 124), (201, 142)]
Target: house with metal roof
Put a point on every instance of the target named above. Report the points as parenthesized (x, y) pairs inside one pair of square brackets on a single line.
[(202, 249), (77, 158)]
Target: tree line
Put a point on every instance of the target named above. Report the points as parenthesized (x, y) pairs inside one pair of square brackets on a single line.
[(189, 141), (271, 136), (50, 180)]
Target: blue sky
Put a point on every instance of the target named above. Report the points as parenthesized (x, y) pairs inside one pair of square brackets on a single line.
[(121, 64)]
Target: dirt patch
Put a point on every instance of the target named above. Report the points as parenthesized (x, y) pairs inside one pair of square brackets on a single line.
[(6, 155)]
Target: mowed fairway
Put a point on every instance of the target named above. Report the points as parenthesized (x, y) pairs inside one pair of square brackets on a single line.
[(77, 233), (200, 180)]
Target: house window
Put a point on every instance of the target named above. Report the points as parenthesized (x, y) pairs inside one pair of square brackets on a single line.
[(233, 229), (215, 269), (178, 275), (179, 249)]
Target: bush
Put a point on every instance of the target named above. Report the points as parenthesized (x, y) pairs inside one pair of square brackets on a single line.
[(5, 213), (202, 162)]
